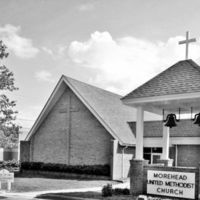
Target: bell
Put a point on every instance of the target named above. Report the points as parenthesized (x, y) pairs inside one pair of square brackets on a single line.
[(171, 120), (197, 119)]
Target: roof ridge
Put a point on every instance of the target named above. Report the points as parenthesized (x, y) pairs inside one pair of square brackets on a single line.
[(194, 65), (112, 93), (105, 106), (144, 88), (92, 108), (151, 79), (77, 89)]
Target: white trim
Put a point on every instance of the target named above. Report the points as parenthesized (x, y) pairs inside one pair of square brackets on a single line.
[(185, 140), (153, 142), (176, 156), (161, 98), (157, 141)]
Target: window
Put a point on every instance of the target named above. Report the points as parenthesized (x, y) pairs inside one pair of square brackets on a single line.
[(152, 154)]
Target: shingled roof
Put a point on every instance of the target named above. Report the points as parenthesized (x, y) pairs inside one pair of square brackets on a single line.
[(108, 107), (183, 77), (104, 105)]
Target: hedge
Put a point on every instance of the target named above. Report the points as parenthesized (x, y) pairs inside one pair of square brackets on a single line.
[(99, 170), (9, 165), (107, 191)]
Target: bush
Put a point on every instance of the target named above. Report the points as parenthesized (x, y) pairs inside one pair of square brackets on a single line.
[(107, 190), (25, 165), (9, 165), (99, 170), (121, 191)]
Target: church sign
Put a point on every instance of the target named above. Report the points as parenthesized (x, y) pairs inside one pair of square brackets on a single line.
[(6, 176), (171, 183)]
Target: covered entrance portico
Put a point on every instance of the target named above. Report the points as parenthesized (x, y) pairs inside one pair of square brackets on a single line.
[(174, 91), (169, 104)]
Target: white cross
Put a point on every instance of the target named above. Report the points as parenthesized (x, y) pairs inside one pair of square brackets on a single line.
[(186, 42)]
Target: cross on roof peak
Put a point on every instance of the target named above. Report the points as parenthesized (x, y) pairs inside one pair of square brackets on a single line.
[(186, 42)]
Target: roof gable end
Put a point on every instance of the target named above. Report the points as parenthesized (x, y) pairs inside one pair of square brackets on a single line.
[(104, 105), (182, 77)]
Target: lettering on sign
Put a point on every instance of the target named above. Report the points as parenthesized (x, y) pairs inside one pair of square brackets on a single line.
[(6, 176), (173, 184)]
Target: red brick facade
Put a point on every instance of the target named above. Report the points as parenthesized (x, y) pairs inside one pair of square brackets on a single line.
[(73, 138), (71, 134)]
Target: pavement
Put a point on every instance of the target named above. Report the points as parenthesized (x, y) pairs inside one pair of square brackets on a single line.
[(31, 195)]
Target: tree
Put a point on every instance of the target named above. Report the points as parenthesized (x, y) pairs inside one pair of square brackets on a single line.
[(7, 113)]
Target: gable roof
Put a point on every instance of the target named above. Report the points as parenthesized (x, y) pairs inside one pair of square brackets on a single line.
[(105, 106), (183, 77)]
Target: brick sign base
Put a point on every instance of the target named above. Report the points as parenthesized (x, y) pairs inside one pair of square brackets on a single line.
[(163, 181)]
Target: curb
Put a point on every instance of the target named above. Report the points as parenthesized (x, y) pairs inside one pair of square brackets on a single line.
[(64, 197), (37, 193)]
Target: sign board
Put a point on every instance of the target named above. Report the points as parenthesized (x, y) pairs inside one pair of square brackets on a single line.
[(6, 176), (172, 184)]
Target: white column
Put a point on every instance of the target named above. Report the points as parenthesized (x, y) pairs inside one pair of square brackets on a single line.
[(165, 154), (114, 168), (139, 133)]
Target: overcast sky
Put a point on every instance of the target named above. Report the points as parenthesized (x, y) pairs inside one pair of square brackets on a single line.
[(113, 44)]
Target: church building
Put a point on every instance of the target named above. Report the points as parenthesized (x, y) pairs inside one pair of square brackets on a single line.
[(85, 125)]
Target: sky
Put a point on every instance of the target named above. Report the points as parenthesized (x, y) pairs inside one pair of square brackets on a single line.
[(112, 44)]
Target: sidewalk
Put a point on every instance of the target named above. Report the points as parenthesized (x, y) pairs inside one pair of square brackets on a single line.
[(31, 195)]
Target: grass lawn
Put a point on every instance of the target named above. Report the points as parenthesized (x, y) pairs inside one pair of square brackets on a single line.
[(42, 184), (88, 195)]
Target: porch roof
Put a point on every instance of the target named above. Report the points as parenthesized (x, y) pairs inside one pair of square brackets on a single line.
[(176, 87)]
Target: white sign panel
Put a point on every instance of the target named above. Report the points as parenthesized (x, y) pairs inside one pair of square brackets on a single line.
[(5, 175), (169, 183)]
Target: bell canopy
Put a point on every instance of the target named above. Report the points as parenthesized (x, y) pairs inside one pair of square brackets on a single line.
[(178, 87)]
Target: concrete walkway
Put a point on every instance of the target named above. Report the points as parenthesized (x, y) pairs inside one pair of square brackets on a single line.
[(31, 195)]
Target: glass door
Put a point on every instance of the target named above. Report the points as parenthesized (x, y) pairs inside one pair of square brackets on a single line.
[(152, 154), (155, 157)]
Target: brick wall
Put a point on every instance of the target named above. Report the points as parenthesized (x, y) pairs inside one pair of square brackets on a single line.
[(188, 155), (129, 154), (24, 151), (70, 134), (90, 142)]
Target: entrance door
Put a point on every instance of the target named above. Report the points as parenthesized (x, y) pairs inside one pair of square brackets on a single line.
[(153, 154), (155, 157)]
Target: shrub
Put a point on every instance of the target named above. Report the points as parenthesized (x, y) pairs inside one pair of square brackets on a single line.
[(25, 165), (121, 191), (36, 165), (99, 170), (10, 164), (107, 190)]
